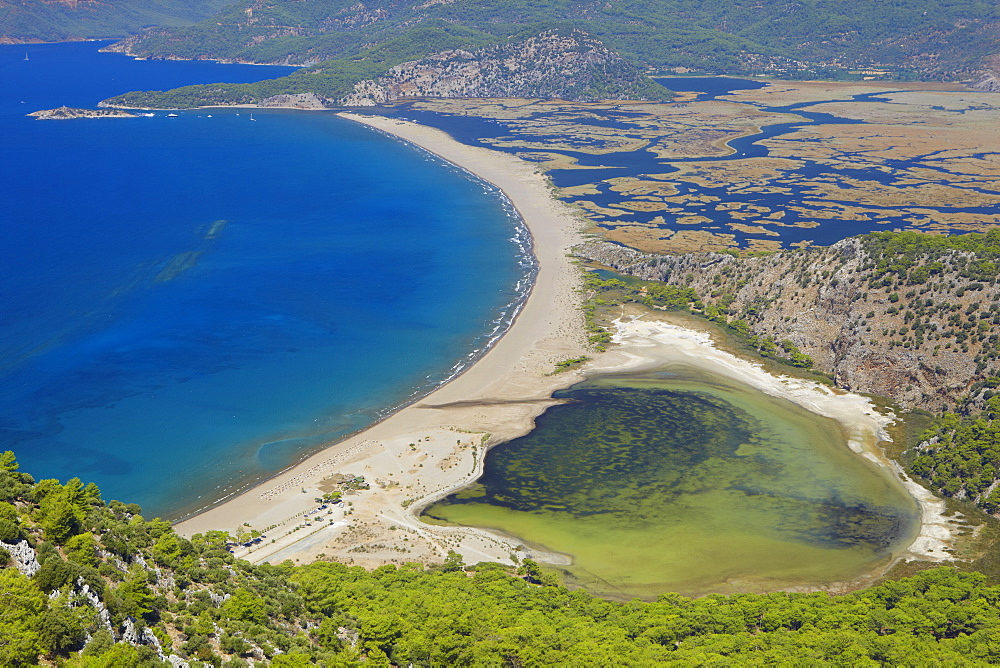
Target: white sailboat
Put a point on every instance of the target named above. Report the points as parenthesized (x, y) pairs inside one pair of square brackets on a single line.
[(251, 117), (26, 56)]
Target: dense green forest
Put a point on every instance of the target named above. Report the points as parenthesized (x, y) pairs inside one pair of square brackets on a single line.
[(931, 37), (38, 20), (93, 584), (960, 455)]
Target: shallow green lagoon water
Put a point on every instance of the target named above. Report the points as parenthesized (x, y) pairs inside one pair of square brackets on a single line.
[(678, 481)]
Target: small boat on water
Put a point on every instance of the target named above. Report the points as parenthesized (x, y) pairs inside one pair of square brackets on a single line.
[(172, 115), (26, 56), (251, 117)]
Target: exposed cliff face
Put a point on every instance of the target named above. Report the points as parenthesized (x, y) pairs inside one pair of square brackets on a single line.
[(989, 82), (565, 65), (920, 344)]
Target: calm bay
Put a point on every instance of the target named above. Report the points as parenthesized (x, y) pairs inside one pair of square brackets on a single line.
[(193, 303)]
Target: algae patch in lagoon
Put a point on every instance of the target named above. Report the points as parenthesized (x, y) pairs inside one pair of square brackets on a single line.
[(676, 480)]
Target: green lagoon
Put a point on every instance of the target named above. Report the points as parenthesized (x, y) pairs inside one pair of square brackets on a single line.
[(676, 480)]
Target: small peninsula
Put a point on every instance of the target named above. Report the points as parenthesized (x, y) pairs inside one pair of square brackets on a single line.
[(70, 113)]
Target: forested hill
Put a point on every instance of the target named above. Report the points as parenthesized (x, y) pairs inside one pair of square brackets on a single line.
[(931, 38), (59, 20), (84, 583), (563, 64)]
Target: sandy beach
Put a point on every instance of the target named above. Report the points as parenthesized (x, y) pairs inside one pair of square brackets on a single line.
[(437, 445)]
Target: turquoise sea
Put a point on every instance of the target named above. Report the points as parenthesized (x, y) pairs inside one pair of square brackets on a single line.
[(190, 304)]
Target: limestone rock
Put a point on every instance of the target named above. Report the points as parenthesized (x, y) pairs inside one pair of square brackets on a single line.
[(297, 101), (24, 557)]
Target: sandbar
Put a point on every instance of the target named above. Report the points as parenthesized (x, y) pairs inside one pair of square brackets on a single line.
[(435, 445)]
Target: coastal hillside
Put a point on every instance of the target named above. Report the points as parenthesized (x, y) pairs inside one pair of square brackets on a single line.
[(89, 583), (925, 38), (61, 20), (563, 64), (907, 316)]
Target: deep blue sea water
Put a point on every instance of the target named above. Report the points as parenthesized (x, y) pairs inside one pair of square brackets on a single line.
[(190, 304)]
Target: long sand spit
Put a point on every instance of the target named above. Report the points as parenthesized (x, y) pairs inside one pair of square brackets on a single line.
[(437, 445), (434, 445)]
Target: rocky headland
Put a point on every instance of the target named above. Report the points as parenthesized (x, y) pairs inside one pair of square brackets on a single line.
[(560, 64)]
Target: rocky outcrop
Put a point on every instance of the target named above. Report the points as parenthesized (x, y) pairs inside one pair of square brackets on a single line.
[(922, 345), (989, 82), (569, 65), (23, 556), (70, 113), (990, 78)]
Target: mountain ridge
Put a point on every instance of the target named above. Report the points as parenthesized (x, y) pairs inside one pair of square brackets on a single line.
[(564, 64), (930, 38)]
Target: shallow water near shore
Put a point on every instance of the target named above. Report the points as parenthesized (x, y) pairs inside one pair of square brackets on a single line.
[(678, 480)]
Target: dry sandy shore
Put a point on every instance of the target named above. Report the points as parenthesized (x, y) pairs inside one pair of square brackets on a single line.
[(436, 445)]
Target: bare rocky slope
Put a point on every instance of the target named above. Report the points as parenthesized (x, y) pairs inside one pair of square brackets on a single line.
[(568, 65), (916, 326), (990, 77)]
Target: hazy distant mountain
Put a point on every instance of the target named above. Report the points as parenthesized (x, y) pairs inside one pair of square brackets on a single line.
[(929, 38), (60, 20)]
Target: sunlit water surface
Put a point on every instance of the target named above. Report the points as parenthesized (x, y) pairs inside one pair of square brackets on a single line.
[(677, 480)]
